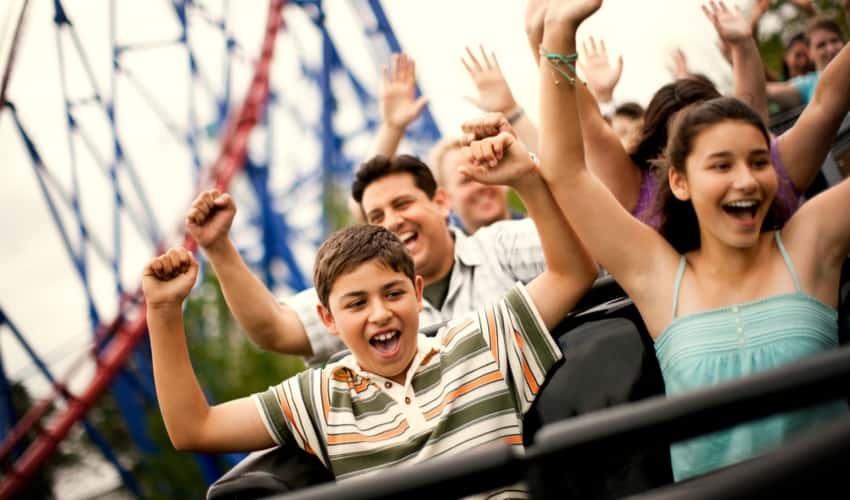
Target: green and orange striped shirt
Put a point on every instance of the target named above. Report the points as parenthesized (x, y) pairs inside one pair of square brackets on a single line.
[(467, 386)]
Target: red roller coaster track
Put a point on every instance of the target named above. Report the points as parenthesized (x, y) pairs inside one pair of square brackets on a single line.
[(125, 335)]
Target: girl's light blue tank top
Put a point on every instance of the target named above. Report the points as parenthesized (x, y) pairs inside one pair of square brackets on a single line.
[(709, 347)]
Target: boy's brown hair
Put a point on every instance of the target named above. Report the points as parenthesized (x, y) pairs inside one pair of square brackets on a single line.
[(350, 247)]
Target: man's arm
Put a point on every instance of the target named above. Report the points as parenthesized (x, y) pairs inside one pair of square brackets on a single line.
[(191, 423), (270, 325), (569, 268), (399, 104)]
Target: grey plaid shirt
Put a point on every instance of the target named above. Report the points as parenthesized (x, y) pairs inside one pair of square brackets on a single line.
[(487, 264)]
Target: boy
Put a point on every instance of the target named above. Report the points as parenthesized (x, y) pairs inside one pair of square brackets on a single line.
[(399, 397)]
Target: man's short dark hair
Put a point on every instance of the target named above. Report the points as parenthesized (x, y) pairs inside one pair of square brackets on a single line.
[(631, 110), (381, 166), (348, 248)]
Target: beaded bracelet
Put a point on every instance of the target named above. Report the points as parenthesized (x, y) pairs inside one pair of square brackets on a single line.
[(558, 60)]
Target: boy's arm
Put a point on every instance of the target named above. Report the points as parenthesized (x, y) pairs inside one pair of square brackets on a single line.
[(270, 325), (191, 423), (569, 269), (399, 104), (804, 147)]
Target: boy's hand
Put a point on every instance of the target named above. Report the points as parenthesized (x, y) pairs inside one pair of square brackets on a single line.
[(168, 279), (398, 101), (210, 217), (494, 94), (499, 160), (489, 125)]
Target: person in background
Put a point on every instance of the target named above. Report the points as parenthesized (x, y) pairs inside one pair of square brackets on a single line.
[(825, 42)]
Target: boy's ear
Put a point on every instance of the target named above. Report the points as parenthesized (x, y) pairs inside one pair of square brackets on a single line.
[(418, 286), (441, 198), (678, 184), (327, 318)]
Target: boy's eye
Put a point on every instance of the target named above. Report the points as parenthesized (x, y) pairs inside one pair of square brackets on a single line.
[(355, 304), (395, 294), (720, 166)]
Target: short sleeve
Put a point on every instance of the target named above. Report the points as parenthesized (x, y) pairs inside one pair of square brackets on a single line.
[(787, 193), (322, 343), (524, 349), (287, 411)]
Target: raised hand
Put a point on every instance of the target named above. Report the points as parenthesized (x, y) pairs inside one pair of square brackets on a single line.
[(571, 12), (399, 104), (729, 23), (168, 279), (209, 218), (498, 160), (535, 13), (489, 125), (494, 94), (600, 76), (678, 64)]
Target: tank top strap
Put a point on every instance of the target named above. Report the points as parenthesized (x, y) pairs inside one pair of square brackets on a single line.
[(679, 273), (788, 262)]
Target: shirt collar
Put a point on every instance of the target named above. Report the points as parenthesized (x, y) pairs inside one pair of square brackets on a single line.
[(465, 251), (425, 346)]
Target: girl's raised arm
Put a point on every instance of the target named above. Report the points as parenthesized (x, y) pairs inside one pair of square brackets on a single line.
[(632, 251)]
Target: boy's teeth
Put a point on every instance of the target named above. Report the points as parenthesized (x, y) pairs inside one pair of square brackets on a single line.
[(384, 336)]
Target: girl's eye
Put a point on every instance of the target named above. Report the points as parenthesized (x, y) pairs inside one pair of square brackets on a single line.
[(721, 166), (355, 304), (763, 163)]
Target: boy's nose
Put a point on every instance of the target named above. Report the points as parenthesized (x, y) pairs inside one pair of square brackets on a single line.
[(379, 312)]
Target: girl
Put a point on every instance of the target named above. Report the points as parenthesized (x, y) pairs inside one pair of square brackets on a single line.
[(723, 293)]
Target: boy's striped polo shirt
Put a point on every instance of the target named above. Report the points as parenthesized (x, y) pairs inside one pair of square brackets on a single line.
[(467, 386)]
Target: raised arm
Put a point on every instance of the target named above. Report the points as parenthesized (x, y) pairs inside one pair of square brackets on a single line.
[(272, 326), (399, 104), (598, 219), (495, 96), (804, 147), (735, 32), (606, 156), (569, 269), (190, 421)]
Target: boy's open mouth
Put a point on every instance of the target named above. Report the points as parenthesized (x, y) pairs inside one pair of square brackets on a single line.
[(742, 210), (387, 344)]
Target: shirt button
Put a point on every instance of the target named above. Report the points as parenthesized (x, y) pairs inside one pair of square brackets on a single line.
[(407, 400), (740, 329), (388, 385), (734, 309), (741, 341)]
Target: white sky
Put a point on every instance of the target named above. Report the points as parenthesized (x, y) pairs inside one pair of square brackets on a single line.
[(39, 289)]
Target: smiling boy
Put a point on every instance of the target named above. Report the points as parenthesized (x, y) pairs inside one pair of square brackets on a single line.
[(399, 397)]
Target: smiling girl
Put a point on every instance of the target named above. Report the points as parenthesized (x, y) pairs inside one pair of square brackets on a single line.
[(723, 293)]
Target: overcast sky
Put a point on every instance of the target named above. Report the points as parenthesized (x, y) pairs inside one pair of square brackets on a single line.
[(40, 290)]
